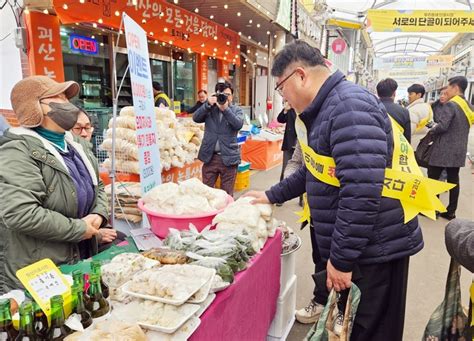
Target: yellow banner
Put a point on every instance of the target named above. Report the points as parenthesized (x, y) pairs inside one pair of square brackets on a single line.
[(404, 181), (440, 61), (420, 21)]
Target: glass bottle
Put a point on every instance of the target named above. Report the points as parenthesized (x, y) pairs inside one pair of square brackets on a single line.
[(58, 330), (7, 331), (27, 329), (78, 277), (40, 320), (78, 306), (96, 268), (96, 304)]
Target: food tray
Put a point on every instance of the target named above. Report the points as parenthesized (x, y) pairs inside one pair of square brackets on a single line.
[(204, 305), (183, 333), (201, 295), (189, 314)]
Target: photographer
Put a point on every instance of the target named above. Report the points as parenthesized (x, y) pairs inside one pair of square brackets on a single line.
[(219, 149)]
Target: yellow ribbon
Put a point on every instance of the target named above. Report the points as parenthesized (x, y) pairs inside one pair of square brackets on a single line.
[(425, 121), (472, 303), (404, 181), (465, 108)]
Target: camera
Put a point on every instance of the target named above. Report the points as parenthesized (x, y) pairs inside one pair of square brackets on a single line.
[(222, 98)]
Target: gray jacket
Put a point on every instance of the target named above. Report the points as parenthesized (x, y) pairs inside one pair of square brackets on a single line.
[(450, 137), (459, 238), (222, 128)]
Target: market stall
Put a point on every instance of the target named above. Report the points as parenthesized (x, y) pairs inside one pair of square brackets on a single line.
[(262, 154)]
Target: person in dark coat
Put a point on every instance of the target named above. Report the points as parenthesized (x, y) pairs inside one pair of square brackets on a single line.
[(360, 235), (438, 104), (219, 150), (202, 98), (287, 116), (450, 137), (159, 95), (386, 90)]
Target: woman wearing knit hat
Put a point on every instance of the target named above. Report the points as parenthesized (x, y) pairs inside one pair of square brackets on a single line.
[(50, 196)]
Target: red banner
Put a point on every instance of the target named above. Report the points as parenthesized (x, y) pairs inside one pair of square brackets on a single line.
[(202, 72), (223, 69), (162, 21), (44, 45)]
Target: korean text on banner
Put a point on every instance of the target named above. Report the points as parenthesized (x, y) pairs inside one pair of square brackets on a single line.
[(143, 103), (420, 21), (44, 51)]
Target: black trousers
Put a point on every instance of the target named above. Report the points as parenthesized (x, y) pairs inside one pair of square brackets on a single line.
[(453, 178), (381, 312)]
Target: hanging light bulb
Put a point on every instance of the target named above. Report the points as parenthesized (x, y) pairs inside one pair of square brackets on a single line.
[(143, 21), (226, 24), (93, 36), (258, 25), (151, 33), (170, 42), (117, 13), (196, 10), (215, 37), (250, 37), (226, 6), (45, 11), (94, 25), (165, 29), (27, 11), (240, 33), (239, 14), (100, 21), (156, 41), (65, 6), (250, 21), (176, 1), (202, 45), (228, 43), (211, 17)]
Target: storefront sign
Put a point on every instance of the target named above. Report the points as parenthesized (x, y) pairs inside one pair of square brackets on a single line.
[(83, 44), (420, 21), (284, 14), (161, 20), (44, 51), (203, 70), (338, 46), (401, 62), (306, 25), (440, 61), (143, 104)]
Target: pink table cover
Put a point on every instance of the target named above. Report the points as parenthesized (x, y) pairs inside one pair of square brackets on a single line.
[(245, 310)]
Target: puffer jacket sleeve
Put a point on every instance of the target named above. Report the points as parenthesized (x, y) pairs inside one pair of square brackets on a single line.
[(288, 188), (358, 144), (201, 114), (22, 191)]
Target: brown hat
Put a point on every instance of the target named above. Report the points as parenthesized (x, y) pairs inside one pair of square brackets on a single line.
[(27, 93)]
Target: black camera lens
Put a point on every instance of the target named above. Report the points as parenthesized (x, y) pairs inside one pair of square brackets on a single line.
[(222, 98)]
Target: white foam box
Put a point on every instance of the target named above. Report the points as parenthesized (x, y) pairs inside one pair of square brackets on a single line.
[(288, 265), (285, 313)]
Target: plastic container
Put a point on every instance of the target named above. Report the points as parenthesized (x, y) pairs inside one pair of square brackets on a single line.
[(244, 165), (242, 181), (286, 306), (161, 223), (288, 266)]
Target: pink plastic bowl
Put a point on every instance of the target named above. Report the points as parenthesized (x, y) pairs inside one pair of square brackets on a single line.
[(161, 223)]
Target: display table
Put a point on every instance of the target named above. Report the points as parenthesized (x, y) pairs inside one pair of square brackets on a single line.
[(262, 155), (174, 174), (245, 310)]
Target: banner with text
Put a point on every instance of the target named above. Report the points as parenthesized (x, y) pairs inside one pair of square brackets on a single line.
[(401, 62), (440, 61), (420, 21), (143, 104)]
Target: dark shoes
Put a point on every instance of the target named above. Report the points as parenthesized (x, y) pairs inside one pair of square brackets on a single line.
[(278, 205), (447, 215)]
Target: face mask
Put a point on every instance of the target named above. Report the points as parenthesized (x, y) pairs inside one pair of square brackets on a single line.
[(64, 115)]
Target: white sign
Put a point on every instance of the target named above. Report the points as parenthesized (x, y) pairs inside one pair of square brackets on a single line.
[(144, 105)]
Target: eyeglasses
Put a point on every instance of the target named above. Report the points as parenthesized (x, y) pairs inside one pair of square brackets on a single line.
[(279, 86), (78, 130)]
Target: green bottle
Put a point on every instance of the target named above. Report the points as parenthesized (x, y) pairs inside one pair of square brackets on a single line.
[(40, 320), (78, 277), (96, 268), (58, 330), (27, 329), (96, 304), (7, 331), (78, 306)]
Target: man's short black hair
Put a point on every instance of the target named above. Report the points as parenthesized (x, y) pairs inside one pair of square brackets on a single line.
[(460, 81), (296, 51), (417, 89), (387, 87), (202, 90), (157, 86), (221, 86)]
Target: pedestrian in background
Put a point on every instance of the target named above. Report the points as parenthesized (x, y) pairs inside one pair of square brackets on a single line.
[(287, 116), (160, 97), (202, 98), (420, 113), (450, 136), (386, 90), (437, 105)]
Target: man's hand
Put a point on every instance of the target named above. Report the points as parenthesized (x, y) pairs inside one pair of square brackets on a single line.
[(212, 100), (223, 107), (107, 235), (260, 197), (337, 279), (94, 219)]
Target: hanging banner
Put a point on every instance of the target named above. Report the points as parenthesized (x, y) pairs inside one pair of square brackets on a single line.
[(440, 61), (143, 104), (161, 20), (284, 14), (420, 21), (44, 45), (401, 62), (202, 73)]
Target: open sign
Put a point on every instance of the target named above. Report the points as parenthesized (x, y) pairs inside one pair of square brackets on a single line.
[(83, 44)]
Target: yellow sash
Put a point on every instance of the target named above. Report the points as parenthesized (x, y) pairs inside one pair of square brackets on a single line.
[(472, 303), (465, 108), (425, 121), (404, 181), (163, 96)]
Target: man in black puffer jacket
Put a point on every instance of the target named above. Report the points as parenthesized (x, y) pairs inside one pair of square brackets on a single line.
[(360, 234)]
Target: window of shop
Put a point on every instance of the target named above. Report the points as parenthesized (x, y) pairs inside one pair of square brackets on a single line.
[(211, 75), (184, 80), (159, 73)]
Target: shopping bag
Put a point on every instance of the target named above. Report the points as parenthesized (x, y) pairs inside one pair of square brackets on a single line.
[(423, 151), (448, 321), (323, 330)]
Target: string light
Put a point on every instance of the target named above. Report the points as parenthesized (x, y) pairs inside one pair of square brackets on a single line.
[(226, 6), (228, 43), (215, 37), (45, 11), (202, 45), (175, 1), (268, 32), (250, 37), (238, 46), (248, 51), (240, 33), (65, 6), (170, 42), (250, 21), (143, 21), (165, 29), (196, 10), (239, 14), (156, 41), (211, 17), (101, 44), (215, 49), (117, 13), (82, 1), (266, 46), (100, 21), (258, 25), (226, 52), (94, 25), (93, 36), (151, 33), (275, 36), (27, 11), (226, 24)]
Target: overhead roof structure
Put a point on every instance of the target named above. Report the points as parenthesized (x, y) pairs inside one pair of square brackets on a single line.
[(388, 44)]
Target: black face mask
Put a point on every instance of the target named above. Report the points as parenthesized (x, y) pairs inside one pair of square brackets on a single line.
[(64, 115)]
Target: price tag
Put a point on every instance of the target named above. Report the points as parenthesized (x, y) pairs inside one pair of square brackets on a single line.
[(44, 280)]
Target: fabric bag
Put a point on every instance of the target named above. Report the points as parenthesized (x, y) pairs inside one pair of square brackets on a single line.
[(324, 329), (423, 151), (448, 321)]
